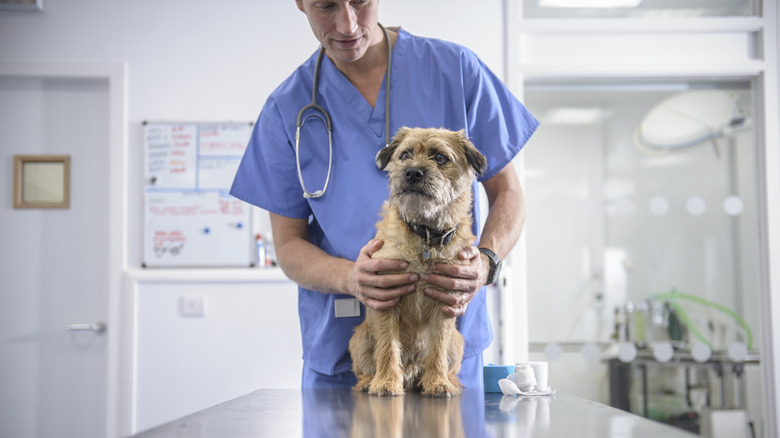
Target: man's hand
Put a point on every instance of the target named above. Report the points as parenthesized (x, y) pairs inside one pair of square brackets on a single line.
[(380, 283), (456, 285)]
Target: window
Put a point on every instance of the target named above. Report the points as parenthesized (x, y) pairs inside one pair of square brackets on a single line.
[(643, 217)]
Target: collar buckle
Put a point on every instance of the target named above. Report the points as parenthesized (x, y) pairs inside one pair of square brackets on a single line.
[(431, 237)]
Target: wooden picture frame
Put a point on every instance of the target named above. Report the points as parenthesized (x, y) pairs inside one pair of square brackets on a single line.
[(41, 181)]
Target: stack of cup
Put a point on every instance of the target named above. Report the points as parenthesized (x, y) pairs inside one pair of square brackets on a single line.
[(529, 377), (540, 373)]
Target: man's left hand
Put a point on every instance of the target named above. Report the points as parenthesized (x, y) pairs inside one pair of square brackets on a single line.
[(456, 285)]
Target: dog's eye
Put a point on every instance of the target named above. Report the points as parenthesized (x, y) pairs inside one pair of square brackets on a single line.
[(404, 155), (440, 159)]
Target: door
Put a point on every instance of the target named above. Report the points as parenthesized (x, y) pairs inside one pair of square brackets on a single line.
[(54, 263)]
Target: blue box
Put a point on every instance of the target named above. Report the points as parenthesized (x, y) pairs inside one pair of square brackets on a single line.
[(493, 373)]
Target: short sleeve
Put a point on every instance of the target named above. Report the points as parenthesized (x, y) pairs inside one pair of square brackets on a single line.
[(497, 122), (267, 176)]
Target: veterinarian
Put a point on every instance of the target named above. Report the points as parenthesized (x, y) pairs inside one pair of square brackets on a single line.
[(323, 240)]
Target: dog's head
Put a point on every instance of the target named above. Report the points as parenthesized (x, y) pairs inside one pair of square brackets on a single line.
[(430, 169)]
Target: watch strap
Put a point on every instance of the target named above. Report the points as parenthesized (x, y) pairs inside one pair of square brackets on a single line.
[(495, 265)]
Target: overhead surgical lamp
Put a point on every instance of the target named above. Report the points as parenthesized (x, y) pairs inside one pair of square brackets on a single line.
[(689, 119)]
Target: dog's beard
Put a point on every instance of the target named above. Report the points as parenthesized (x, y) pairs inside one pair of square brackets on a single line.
[(420, 208), (427, 201)]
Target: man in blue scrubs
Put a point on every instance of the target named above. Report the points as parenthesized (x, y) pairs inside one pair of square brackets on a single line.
[(325, 244)]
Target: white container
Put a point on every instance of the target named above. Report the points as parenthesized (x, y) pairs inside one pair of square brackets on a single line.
[(539, 373)]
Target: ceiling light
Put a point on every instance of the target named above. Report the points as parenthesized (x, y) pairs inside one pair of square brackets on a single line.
[(571, 116), (589, 3)]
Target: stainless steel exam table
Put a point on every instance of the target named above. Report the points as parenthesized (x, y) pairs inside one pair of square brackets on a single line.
[(345, 413)]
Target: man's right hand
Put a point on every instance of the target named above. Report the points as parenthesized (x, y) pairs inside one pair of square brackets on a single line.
[(378, 283)]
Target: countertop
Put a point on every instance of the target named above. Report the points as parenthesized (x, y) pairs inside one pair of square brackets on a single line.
[(344, 413)]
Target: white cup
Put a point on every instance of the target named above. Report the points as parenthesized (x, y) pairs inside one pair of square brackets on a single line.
[(540, 373)]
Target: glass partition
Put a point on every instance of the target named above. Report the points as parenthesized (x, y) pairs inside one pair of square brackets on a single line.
[(638, 8), (643, 250)]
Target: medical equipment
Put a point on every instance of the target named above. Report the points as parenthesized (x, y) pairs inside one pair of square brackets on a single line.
[(324, 117), (689, 119)]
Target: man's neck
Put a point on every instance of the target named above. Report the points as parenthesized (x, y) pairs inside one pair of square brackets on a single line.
[(366, 74)]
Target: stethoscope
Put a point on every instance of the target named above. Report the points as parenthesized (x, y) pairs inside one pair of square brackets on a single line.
[(326, 119)]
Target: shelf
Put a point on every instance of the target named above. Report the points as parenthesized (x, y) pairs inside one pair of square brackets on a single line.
[(216, 275)]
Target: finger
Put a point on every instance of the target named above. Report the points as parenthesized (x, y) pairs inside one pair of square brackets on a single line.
[(468, 253), (448, 298), (454, 312), (379, 304), (382, 299), (387, 294), (371, 247), (385, 265), (388, 281), (456, 271), (449, 283)]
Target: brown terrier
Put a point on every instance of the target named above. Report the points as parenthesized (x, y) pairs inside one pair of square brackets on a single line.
[(426, 220)]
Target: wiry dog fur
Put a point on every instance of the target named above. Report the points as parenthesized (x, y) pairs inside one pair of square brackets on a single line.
[(414, 344)]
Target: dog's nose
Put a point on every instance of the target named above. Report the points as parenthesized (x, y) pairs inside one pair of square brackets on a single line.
[(413, 174)]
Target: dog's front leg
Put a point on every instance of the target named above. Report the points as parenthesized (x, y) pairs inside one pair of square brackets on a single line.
[(442, 361), (361, 348), (388, 379)]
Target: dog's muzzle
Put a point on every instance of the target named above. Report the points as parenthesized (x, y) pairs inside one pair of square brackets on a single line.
[(415, 182), (413, 175)]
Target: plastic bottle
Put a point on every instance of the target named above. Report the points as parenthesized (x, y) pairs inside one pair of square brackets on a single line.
[(261, 260), (270, 255)]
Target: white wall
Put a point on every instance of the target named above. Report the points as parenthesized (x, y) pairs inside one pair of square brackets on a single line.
[(212, 60), (248, 339), (209, 61)]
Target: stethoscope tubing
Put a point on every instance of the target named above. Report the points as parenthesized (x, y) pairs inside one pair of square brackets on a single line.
[(327, 120)]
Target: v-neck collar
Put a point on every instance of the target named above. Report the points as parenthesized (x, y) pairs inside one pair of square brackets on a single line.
[(373, 117)]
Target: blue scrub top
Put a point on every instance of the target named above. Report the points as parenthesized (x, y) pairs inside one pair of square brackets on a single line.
[(434, 84)]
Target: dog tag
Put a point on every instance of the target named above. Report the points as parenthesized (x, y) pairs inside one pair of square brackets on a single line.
[(346, 307), (426, 253)]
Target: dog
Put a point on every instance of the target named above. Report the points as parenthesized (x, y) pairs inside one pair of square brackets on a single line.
[(425, 220)]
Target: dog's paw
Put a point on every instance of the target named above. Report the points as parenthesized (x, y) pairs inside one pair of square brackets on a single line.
[(363, 383), (385, 388), (441, 389)]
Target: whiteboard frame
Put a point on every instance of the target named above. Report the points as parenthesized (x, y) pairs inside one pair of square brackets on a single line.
[(146, 264)]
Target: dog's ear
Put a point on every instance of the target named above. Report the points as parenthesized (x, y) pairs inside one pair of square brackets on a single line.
[(384, 155), (473, 156)]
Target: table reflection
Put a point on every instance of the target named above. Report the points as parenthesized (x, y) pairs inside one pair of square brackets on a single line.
[(345, 413), (357, 414), (519, 416)]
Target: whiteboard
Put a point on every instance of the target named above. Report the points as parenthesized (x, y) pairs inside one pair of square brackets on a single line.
[(190, 220)]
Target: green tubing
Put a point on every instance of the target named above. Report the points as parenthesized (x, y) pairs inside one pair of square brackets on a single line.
[(675, 295), (688, 323)]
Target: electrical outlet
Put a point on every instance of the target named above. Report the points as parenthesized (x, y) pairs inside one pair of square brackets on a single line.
[(192, 306)]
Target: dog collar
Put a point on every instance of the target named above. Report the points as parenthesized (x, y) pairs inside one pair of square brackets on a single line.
[(431, 237)]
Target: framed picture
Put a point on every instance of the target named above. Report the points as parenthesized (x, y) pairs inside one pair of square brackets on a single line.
[(41, 181)]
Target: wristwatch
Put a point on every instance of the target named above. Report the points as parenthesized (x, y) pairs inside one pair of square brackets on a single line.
[(495, 265)]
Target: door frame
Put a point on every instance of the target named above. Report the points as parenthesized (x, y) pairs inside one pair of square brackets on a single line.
[(761, 66), (119, 382)]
